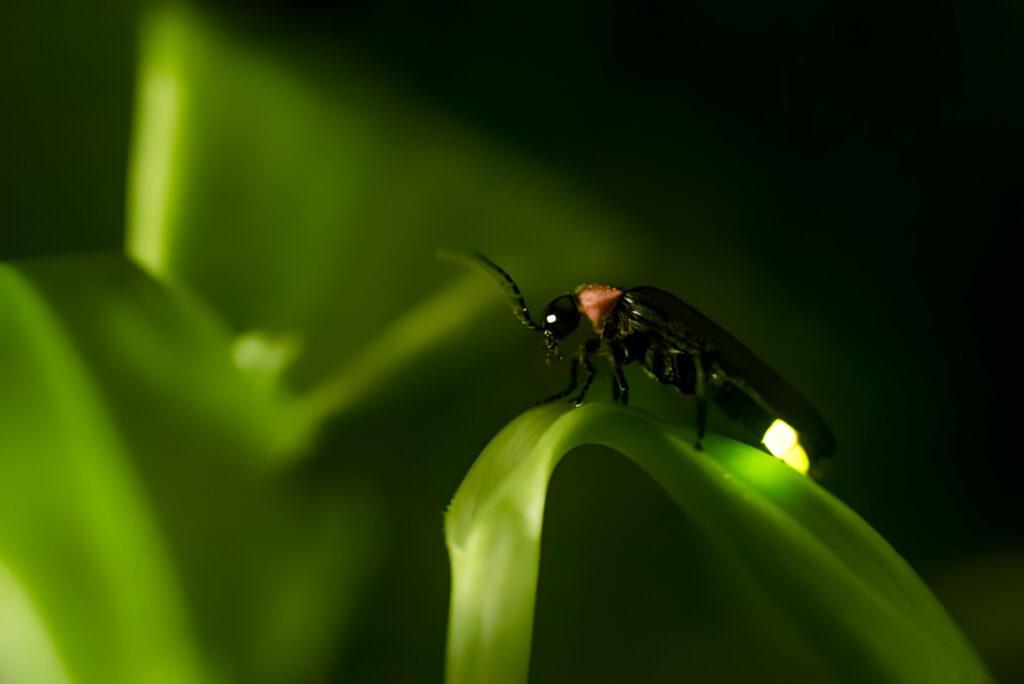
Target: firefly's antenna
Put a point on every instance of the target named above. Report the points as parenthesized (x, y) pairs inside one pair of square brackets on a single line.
[(508, 286)]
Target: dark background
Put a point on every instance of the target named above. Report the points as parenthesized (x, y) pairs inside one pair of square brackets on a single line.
[(853, 168)]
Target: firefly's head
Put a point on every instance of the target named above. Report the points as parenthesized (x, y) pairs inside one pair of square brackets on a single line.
[(561, 317)]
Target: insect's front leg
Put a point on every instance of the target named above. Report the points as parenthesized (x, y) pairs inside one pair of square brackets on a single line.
[(585, 352), (620, 388), (573, 368)]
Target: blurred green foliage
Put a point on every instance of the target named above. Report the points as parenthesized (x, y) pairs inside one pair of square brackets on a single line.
[(137, 473), (357, 189), (225, 455)]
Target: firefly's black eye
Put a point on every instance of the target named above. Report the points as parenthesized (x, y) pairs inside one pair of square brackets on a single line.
[(561, 317)]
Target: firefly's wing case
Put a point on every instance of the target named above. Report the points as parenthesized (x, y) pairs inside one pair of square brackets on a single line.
[(651, 309)]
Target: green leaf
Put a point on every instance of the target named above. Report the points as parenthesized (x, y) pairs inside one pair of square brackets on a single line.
[(26, 649), (854, 600), (76, 529), (143, 508)]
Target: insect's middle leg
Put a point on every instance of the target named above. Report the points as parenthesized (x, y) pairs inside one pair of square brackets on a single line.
[(620, 388), (690, 377)]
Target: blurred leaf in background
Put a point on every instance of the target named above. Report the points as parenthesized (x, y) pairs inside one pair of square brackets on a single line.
[(78, 531), (357, 189), (191, 558)]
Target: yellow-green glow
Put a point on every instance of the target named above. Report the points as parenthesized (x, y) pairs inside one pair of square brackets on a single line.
[(796, 458), (781, 440)]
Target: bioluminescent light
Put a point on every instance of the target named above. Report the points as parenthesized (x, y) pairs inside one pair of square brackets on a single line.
[(783, 442), (779, 437)]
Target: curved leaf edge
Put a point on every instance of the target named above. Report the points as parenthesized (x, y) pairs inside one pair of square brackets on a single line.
[(858, 601)]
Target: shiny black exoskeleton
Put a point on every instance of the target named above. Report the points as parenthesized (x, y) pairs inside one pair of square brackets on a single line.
[(676, 345)]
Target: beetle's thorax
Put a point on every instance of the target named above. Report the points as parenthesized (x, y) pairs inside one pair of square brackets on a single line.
[(597, 302)]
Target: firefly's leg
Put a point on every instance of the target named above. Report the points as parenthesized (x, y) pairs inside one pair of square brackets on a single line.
[(578, 399), (584, 354), (572, 384), (701, 394), (620, 388)]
